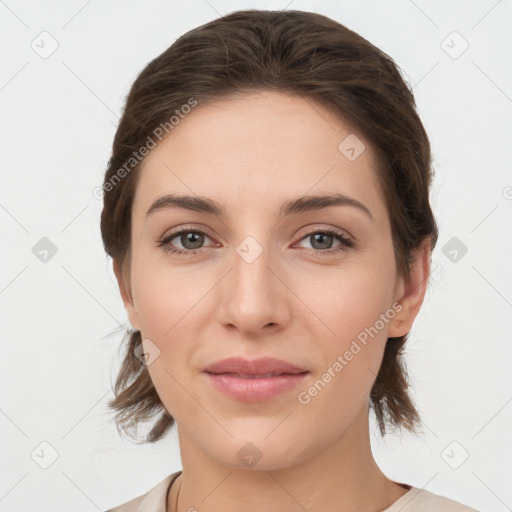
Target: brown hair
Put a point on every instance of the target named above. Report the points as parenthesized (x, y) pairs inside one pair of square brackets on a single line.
[(294, 52)]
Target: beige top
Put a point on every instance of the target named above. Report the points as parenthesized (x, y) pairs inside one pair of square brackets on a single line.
[(415, 500)]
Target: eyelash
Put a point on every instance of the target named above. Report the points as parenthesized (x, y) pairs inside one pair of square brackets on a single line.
[(345, 243)]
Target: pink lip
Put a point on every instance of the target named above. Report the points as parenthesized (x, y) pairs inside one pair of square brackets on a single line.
[(237, 377), (252, 389), (242, 366)]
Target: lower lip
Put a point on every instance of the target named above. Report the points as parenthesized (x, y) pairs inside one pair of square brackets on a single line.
[(254, 390)]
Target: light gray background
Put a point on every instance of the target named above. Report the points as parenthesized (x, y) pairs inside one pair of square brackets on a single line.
[(58, 119)]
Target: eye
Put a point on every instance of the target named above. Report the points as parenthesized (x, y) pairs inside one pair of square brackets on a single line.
[(322, 241), (191, 241)]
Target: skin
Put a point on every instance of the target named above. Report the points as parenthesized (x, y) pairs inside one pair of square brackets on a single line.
[(251, 153)]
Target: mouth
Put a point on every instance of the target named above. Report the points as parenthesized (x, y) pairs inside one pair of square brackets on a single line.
[(265, 366), (251, 388), (255, 380), (257, 376)]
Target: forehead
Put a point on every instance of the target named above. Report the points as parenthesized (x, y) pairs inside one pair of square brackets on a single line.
[(258, 147)]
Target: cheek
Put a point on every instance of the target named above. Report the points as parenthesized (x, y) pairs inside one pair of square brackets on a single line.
[(348, 301), (169, 307), (354, 311), (164, 297), (351, 361)]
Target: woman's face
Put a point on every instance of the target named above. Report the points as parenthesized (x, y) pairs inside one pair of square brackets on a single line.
[(263, 282)]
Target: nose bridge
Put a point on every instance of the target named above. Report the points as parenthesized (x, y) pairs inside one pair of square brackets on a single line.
[(254, 252), (252, 295), (252, 274)]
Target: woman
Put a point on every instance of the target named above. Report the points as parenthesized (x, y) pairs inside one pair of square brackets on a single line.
[(266, 206)]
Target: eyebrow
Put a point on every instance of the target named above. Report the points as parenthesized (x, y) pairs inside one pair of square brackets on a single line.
[(297, 205)]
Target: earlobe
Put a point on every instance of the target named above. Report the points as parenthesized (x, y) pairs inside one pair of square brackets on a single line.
[(412, 293), (126, 295)]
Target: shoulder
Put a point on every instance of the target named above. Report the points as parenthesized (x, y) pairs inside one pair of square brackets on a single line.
[(153, 500), (421, 500)]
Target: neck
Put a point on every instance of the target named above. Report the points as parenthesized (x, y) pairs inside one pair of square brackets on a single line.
[(344, 477)]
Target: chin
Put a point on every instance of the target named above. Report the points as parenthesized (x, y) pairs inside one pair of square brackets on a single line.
[(261, 455)]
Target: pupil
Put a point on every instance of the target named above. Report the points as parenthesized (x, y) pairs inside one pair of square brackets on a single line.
[(323, 238), (188, 239)]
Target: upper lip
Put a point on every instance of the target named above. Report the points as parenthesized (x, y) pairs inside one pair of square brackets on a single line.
[(264, 365)]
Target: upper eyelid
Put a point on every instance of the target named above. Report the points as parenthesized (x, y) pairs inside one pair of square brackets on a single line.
[(175, 232), (332, 229)]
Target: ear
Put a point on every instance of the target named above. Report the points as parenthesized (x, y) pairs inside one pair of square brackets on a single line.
[(410, 294), (124, 287)]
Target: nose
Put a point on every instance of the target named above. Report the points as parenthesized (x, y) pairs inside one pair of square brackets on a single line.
[(254, 296)]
